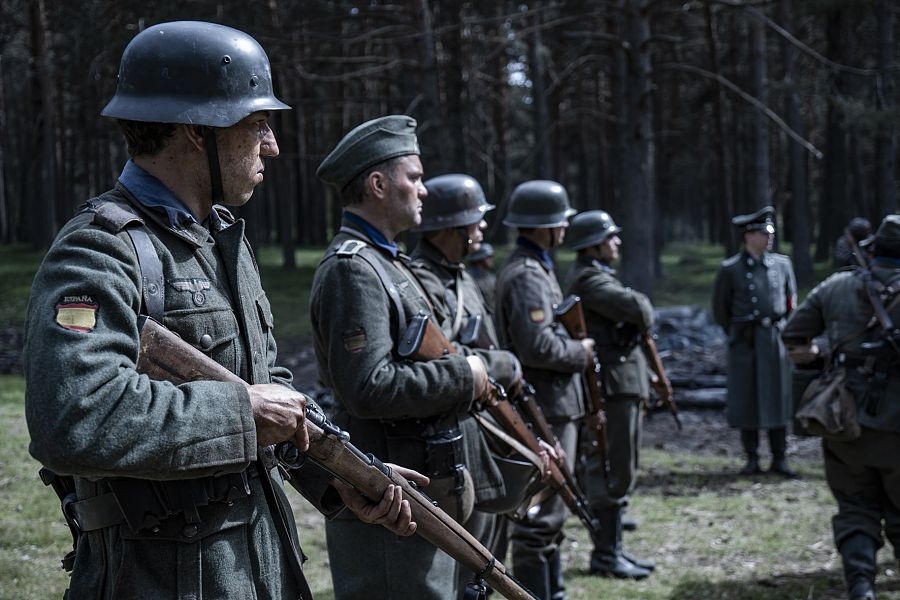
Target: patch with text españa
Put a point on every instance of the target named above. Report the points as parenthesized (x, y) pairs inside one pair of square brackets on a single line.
[(77, 313), (355, 340)]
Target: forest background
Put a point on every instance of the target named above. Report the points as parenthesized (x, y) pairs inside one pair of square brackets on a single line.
[(673, 116)]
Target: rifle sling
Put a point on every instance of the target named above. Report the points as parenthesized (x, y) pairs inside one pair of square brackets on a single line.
[(509, 440)]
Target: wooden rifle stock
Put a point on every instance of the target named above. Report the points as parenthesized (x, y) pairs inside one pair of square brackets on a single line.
[(571, 316), (165, 356), (434, 344), (652, 353)]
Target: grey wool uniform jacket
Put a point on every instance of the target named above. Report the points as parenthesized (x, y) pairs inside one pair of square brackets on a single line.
[(91, 415), (527, 292), (384, 401), (751, 299), (616, 316), (440, 279)]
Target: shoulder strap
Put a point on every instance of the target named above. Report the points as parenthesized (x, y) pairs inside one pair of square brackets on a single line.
[(116, 216)]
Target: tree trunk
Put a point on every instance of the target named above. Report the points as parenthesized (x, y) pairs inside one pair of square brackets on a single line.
[(885, 137), (42, 214), (759, 125), (798, 210), (541, 168)]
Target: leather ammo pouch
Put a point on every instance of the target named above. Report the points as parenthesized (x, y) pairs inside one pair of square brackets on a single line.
[(827, 409)]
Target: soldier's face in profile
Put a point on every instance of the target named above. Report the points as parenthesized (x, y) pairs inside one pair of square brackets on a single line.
[(609, 249), (557, 235), (405, 192), (475, 231), (242, 148)]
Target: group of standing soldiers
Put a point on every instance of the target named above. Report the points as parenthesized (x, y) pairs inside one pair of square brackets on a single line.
[(175, 489)]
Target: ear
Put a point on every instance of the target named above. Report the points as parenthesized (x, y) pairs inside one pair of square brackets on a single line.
[(194, 136), (376, 184)]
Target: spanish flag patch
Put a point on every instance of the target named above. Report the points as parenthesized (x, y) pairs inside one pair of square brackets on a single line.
[(536, 314), (77, 313), (355, 340)]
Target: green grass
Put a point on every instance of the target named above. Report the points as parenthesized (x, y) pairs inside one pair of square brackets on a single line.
[(713, 536), (18, 265)]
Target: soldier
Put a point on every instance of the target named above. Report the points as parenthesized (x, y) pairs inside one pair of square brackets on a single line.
[(481, 267), (616, 317), (863, 474), (527, 291), (754, 292), (362, 296), (175, 493), (859, 228), (452, 227)]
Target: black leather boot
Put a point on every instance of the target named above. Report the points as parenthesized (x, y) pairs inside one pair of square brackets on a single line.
[(858, 553), (608, 559), (750, 441), (557, 587), (778, 444)]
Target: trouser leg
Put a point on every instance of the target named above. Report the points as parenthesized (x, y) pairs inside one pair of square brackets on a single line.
[(608, 559), (858, 554)]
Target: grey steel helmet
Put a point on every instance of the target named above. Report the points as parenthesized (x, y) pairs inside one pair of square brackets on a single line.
[(453, 201), (538, 203), (590, 228), (194, 73), (486, 251)]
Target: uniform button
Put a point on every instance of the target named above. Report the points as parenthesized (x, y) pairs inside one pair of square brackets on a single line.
[(190, 530), (622, 359), (756, 312), (749, 275), (751, 287), (206, 341), (753, 300)]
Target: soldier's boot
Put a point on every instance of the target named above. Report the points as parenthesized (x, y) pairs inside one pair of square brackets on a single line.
[(532, 570), (778, 444), (607, 558), (557, 587), (750, 441), (628, 524), (858, 553)]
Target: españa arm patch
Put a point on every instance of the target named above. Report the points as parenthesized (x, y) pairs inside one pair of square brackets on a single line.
[(77, 313)]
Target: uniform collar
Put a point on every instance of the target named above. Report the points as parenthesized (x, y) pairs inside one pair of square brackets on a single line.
[(425, 249), (589, 261), (152, 193), (369, 230), (765, 259), (539, 253), (886, 261)]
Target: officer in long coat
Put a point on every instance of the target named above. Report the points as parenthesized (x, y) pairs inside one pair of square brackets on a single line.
[(527, 291), (363, 294), (177, 491), (616, 317), (753, 294), (863, 474), (452, 226)]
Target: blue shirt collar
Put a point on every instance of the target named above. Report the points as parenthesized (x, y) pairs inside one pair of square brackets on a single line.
[(373, 234), (541, 254), (152, 193)]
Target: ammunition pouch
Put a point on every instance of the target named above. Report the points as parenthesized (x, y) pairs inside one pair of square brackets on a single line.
[(444, 452)]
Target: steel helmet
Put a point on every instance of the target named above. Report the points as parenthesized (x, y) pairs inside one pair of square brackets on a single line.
[(590, 228), (453, 201), (538, 203), (194, 73), (486, 251)]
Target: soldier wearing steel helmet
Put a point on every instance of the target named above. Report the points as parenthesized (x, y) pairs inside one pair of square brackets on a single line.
[(616, 317), (527, 291), (754, 292), (177, 491), (452, 228), (863, 473)]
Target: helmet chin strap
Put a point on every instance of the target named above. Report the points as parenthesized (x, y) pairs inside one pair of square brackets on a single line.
[(215, 172)]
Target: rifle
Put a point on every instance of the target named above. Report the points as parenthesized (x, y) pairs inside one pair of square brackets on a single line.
[(571, 316), (891, 333), (432, 344), (665, 396), (165, 356)]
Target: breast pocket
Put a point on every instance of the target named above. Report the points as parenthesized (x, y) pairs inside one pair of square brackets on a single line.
[(213, 331)]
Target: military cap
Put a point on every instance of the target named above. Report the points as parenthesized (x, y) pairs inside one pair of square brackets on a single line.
[(486, 251), (859, 228), (760, 220), (367, 145), (889, 230), (454, 200), (590, 228)]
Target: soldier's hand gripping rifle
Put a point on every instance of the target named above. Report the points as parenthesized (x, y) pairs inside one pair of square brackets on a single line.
[(571, 316), (425, 341), (662, 386), (165, 356)]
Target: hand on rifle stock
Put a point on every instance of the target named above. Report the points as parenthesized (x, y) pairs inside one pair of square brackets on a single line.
[(479, 375), (663, 389), (280, 415), (392, 512), (588, 344)]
